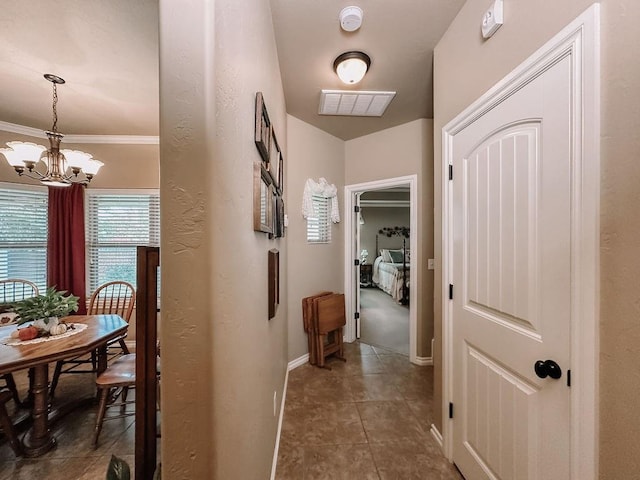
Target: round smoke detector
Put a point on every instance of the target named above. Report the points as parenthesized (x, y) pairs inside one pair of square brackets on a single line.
[(351, 18)]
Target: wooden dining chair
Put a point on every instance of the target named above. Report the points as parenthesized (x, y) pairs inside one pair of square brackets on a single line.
[(114, 298), (13, 290), (113, 390), (7, 425), (111, 298)]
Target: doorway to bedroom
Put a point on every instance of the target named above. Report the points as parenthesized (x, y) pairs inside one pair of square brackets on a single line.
[(384, 234), (380, 249)]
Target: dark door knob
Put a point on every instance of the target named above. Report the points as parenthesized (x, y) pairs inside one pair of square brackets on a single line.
[(547, 368)]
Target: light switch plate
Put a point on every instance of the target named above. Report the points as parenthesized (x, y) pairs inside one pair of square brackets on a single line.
[(492, 19), (431, 264)]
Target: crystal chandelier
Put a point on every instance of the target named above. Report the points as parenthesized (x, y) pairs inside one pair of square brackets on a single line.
[(63, 167)]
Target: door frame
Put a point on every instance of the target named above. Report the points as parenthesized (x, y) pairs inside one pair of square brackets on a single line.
[(350, 192), (580, 40)]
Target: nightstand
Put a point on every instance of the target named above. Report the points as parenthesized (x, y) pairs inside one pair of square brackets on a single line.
[(366, 275)]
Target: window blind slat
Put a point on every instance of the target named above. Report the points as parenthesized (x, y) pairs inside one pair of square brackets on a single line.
[(23, 234), (319, 226), (116, 225)]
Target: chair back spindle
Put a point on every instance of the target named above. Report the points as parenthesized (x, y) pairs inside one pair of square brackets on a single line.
[(113, 298), (13, 290)]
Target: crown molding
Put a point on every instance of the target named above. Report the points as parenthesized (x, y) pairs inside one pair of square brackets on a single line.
[(21, 129), (104, 139), (114, 139)]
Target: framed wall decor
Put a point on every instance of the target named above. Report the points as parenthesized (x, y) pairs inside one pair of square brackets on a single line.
[(281, 175), (278, 215), (263, 192), (274, 282), (275, 155), (262, 128)]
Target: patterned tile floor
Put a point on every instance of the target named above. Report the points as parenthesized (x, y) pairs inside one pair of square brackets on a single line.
[(368, 418)]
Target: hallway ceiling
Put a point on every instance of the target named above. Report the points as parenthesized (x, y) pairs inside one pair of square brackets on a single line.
[(108, 54), (398, 36)]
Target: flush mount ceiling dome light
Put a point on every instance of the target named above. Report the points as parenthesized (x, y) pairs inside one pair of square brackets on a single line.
[(63, 167), (351, 66)]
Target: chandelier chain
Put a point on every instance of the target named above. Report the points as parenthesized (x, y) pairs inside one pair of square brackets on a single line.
[(55, 109)]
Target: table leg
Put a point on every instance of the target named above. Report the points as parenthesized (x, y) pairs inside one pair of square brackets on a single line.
[(102, 358), (39, 440)]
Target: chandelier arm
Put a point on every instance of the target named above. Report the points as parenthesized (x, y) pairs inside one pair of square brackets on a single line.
[(34, 174)]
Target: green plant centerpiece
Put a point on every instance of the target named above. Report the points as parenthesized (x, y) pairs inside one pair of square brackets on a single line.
[(45, 310)]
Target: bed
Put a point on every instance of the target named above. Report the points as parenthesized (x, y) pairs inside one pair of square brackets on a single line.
[(391, 274)]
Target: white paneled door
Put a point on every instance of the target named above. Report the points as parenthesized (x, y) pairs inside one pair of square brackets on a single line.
[(511, 214)]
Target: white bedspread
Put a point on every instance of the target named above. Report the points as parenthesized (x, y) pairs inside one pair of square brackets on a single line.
[(389, 277)]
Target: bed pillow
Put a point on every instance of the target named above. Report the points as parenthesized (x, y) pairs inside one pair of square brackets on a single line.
[(386, 257), (396, 256)]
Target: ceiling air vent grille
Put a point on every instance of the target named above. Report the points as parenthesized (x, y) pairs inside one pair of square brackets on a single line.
[(354, 104)]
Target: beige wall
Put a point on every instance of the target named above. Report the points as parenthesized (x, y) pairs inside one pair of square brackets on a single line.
[(376, 218), (465, 67), (225, 358), (125, 166), (312, 153), (395, 152), (619, 233)]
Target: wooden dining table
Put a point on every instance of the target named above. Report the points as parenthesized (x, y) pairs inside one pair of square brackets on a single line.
[(37, 356)]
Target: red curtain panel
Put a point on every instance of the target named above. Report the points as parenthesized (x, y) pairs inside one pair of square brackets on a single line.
[(65, 245)]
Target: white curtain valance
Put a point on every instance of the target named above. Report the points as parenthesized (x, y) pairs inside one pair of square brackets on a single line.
[(321, 188)]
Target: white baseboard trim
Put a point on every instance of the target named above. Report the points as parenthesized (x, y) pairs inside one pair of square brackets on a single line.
[(297, 362), (131, 345), (290, 366), (274, 463), (424, 361), (435, 433)]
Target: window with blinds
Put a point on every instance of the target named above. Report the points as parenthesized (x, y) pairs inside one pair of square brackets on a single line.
[(319, 225), (115, 225), (23, 234)]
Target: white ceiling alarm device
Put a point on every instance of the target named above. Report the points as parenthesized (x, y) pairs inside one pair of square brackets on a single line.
[(351, 18), (492, 19)]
